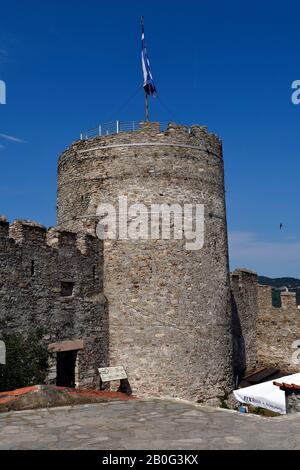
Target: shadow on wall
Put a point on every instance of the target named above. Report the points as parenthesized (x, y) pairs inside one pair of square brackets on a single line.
[(238, 344)]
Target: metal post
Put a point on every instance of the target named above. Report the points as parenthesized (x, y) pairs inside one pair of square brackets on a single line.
[(81, 136), (100, 131), (146, 94), (117, 127), (146, 106)]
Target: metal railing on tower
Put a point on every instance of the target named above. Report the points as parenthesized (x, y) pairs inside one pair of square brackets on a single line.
[(115, 127)]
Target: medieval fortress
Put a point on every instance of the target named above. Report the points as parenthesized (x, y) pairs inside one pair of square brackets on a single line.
[(176, 319)]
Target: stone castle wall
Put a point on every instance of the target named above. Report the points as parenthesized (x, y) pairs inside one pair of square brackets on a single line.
[(278, 331), (169, 308), (36, 268), (244, 319), (173, 318)]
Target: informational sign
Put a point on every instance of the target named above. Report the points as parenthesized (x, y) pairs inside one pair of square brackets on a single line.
[(112, 373), (2, 353)]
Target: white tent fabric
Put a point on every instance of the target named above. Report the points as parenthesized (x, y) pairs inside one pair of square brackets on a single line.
[(266, 395)]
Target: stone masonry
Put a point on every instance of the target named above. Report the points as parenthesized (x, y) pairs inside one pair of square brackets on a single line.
[(169, 308), (169, 315), (244, 318), (53, 280), (293, 401), (263, 335), (278, 331)]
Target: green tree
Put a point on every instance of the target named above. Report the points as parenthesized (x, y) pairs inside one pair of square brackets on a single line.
[(26, 360)]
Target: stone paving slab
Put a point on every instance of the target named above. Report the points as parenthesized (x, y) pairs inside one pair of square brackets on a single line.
[(145, 424)]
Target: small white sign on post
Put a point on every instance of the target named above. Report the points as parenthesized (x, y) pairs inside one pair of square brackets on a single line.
[(112, 373), (2, 353)]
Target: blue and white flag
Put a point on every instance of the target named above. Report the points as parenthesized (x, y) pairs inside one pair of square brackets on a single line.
[(149, 85)]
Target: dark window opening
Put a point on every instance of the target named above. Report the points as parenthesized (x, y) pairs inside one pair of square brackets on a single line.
[(67, 289), (65, 369), (32, 268), (94, 272)]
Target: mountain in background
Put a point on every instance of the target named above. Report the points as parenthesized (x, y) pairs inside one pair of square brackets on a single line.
[(278, 284)]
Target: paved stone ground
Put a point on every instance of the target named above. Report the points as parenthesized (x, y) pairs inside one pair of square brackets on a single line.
[(145, 424)]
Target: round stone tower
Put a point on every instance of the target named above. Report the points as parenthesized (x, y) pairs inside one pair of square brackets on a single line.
[(169, 307)]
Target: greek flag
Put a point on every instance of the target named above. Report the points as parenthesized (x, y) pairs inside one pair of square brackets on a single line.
[(149, 86)]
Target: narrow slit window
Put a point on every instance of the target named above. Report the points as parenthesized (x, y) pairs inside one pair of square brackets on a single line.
[(32, 268)]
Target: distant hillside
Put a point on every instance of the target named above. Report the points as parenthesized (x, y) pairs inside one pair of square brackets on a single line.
[(278, 283), (289, 282)]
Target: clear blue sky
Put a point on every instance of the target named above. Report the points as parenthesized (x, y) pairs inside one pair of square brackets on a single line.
[(69, 65)]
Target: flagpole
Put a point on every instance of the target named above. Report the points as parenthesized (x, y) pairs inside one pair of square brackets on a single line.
[(146, 106), (146, 94), (149, 86)]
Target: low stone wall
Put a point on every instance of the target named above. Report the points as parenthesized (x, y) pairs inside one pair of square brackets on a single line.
[(244, 316), (278, 331), (293, 401), (52, 280)]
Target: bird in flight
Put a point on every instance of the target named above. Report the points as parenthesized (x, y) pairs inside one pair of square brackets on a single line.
[(281, 225)]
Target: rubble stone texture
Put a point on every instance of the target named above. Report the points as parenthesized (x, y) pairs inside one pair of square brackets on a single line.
[(168, 315), (293, 401), (244, 317), (34, 266), (169, 308), (278, 331)]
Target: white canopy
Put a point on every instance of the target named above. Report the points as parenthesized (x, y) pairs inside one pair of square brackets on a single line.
[(266, 395)]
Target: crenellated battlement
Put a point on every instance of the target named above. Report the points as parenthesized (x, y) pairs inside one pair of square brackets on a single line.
[(278, 328), (52, 280), (61, 239), (150, 133), (242, 277), (28, 234), (26, 231), (288, 299), (32, 254), (160, 159), (4, 227), (264, 335), (150, 309)]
